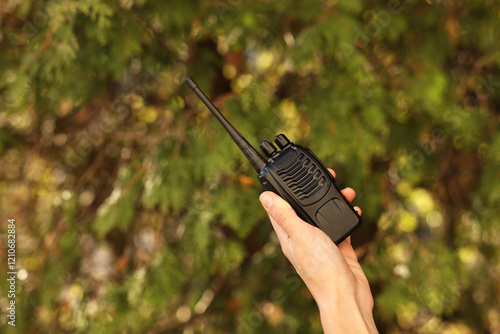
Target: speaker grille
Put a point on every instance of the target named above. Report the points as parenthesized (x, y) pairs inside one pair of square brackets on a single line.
[(305, 179)]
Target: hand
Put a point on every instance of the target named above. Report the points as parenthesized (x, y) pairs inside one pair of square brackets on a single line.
[(332, 274)]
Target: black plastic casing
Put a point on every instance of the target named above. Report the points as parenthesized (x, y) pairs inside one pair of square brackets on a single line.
[(299, 177)]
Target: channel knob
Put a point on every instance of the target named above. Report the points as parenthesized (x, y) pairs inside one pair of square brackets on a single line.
[(281, 140)]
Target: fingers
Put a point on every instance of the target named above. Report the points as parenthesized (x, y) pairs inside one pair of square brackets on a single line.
[(282, 214), (333, 172), (348, 193), (346, 241)]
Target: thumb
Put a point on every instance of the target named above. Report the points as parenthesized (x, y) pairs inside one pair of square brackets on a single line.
[(282, 213)]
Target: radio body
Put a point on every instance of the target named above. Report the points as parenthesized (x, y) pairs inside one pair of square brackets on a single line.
[(298, 176)]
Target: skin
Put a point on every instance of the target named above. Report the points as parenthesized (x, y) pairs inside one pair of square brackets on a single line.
[(332, 273)]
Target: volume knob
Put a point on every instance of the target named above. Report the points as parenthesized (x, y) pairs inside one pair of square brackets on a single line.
[(268, 148), (281, 140)]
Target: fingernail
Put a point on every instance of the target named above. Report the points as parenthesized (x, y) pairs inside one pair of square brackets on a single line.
[(266, 200)]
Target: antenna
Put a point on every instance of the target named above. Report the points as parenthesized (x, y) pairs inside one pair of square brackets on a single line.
[(257, 161)]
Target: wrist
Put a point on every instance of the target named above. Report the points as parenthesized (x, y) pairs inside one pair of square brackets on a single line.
[(345, 317)]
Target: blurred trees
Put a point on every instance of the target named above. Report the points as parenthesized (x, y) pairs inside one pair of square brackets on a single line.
[(136, 213)]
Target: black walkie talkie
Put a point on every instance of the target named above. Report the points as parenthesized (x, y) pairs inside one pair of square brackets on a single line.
[(297, 175)]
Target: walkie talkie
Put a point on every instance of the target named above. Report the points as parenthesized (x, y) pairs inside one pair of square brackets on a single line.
[(297, 175)]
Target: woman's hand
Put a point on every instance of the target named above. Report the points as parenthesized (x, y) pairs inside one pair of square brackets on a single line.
[(332, 274)]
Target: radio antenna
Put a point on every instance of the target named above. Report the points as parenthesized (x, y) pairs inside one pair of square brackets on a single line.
[(257, 161)]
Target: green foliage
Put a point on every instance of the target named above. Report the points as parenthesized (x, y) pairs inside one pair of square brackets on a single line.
[(136, 213), (119, 208)]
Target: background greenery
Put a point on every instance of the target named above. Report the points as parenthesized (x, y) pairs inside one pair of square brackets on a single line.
[(136, 213)]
